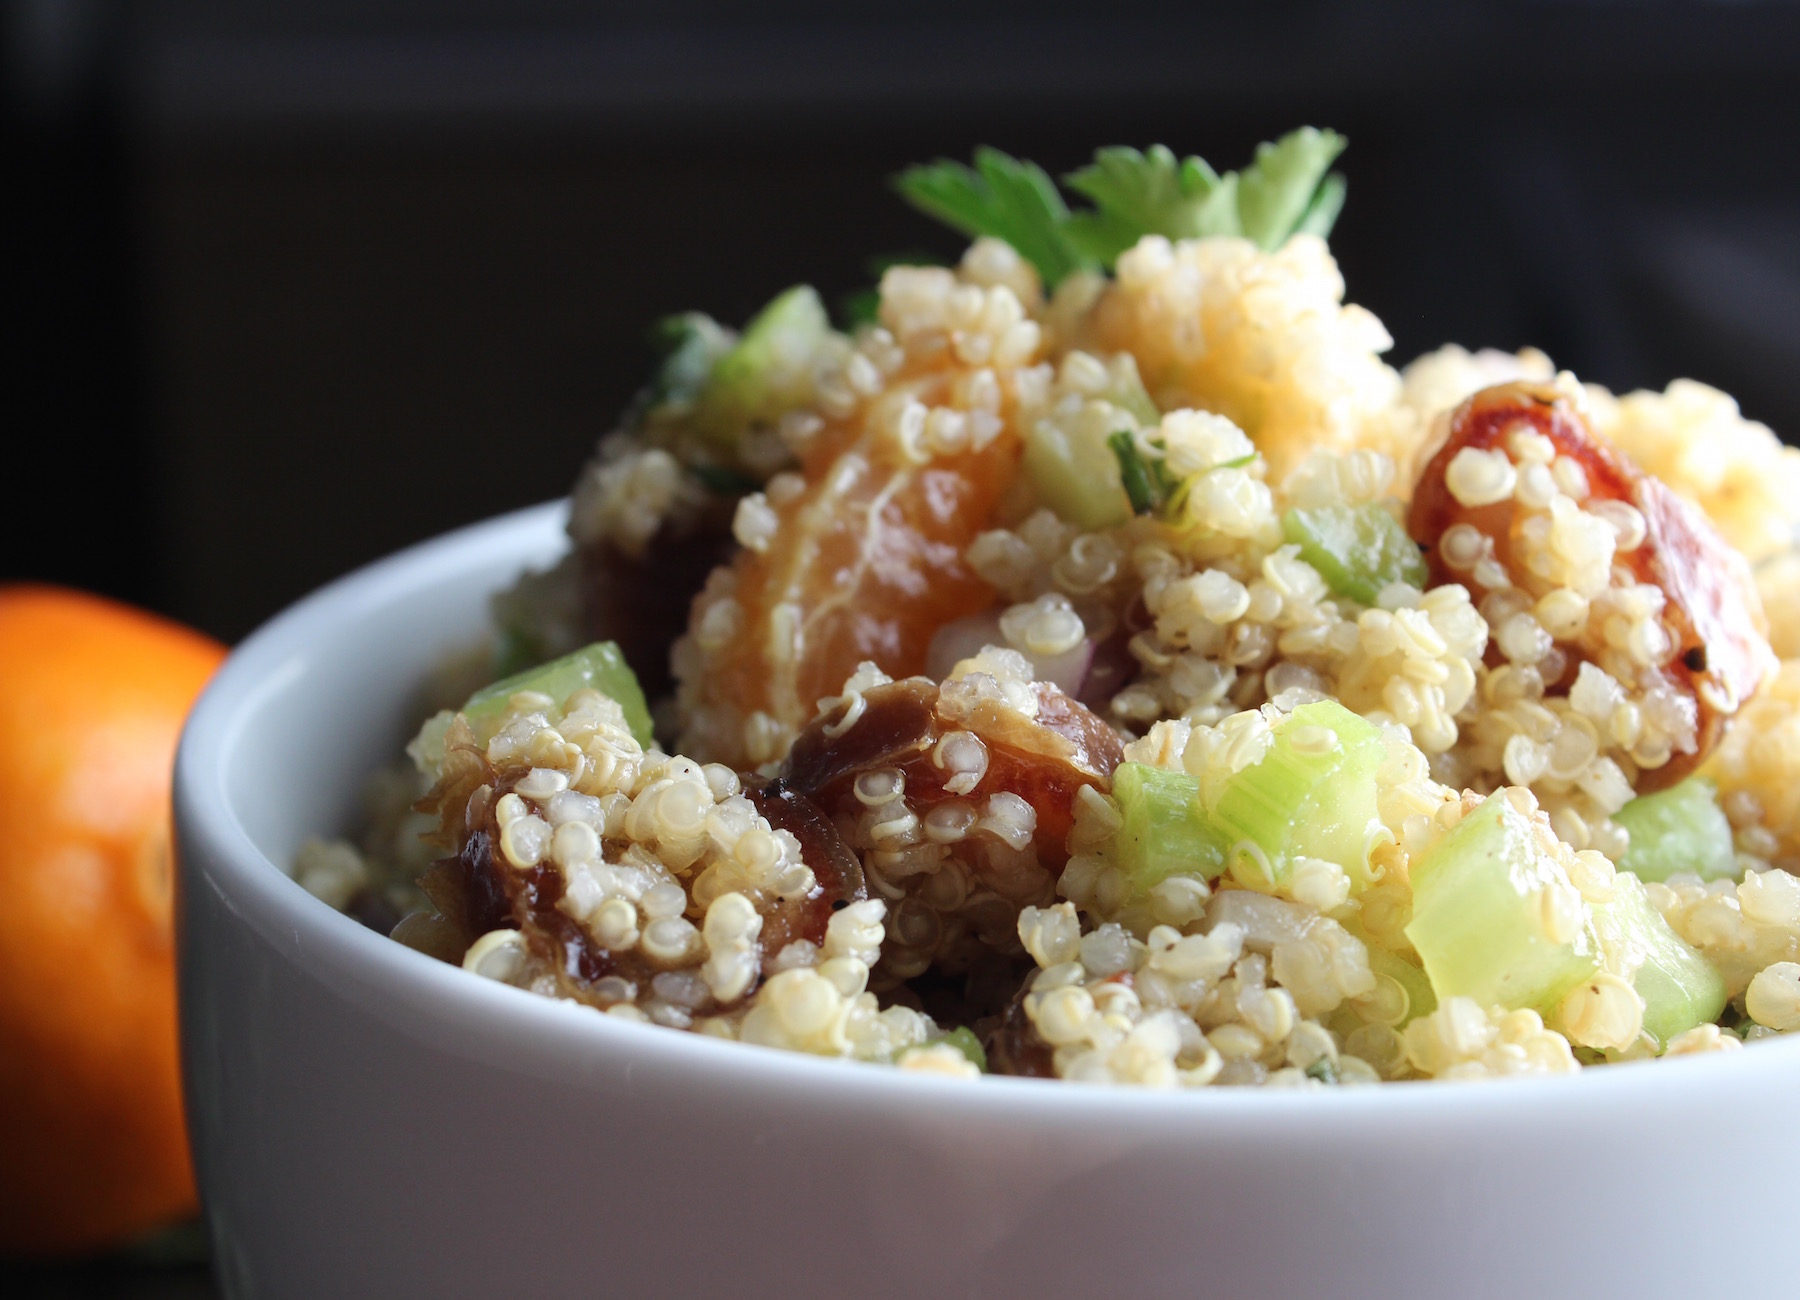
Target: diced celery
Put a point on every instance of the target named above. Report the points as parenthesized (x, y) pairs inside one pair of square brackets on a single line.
[(768, 371), (1358, 550), (963, 1039), (1678, 829), (1312, 795), (1125, 390), (1071, 462), (1680, 987), (1483, 921), (1076, 475), (692, 343), (1166, 832), (598, 667), (1420, 999)]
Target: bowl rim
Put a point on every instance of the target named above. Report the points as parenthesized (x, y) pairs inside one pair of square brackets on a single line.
[(260, 894)]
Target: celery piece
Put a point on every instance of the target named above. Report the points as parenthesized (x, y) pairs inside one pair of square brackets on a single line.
[(1313, 795), (767, 371), (1421, 1000), (963, 1039), (598, 667), (691, 344), (1486, 899), (1680, 987), (1678, 829), (1165, 832), (1077, 476), (1127, 392), (1358, 550)]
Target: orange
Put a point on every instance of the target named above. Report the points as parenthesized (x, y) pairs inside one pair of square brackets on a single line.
[(92, 698), (866, 562)]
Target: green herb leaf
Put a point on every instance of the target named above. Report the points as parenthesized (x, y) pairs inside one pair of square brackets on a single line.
[(1146, 479), (1323, 1070), (1289, 188), (1149, 193), (724, 482), (1139, 486), (1282, 187), (1003, 198), (1322, 212), (859, 308)]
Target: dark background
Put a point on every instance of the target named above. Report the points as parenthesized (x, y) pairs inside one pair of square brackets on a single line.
[(289, 285)]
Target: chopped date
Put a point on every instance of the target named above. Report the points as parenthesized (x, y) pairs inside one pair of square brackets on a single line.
[(1711, 612), (835, 868), (1045, 760)]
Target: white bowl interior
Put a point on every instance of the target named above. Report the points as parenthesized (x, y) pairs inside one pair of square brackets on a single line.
[(350, 703)]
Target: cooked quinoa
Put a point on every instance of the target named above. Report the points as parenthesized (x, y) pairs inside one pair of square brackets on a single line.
[(1100, 664)]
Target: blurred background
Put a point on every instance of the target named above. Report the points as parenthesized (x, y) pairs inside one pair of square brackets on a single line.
[(290, 285)]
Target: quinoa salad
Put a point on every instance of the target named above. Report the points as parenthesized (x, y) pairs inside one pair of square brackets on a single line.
[(1094, 661)]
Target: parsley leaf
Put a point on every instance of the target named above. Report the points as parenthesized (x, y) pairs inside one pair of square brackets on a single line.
[(1137, 194), (1286, 185), (1323, 1069), (1002, 197), (1322, 212), (1288, 189), (1151, 193), (723, 482)]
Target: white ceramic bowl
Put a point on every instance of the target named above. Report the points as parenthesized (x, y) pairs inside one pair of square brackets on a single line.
[(369, 1122)]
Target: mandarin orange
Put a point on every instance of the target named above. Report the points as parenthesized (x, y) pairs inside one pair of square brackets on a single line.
[(92, 699)]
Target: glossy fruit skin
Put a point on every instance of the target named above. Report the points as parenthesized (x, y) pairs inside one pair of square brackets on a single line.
[(92, 698)]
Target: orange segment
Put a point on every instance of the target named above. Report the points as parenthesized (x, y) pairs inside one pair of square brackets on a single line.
[(865, 563)]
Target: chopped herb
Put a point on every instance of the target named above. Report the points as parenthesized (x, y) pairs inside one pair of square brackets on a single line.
[(725, 482), (859, 308), (1146, 478), (1001, 197), (1323, 1070)]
